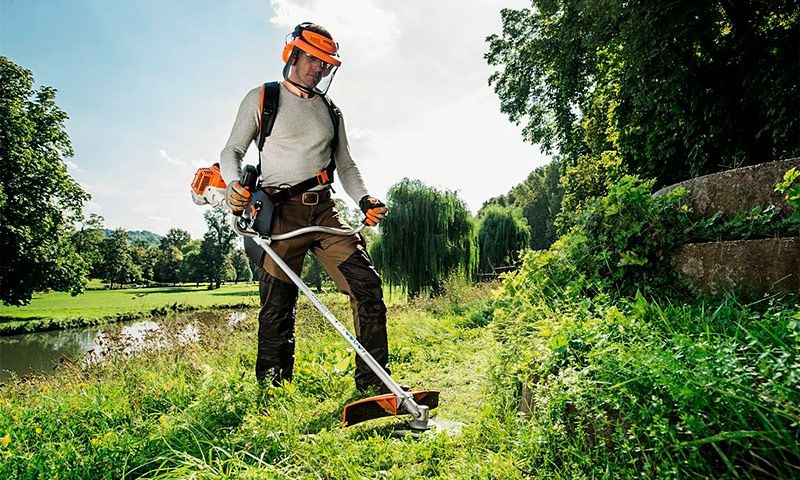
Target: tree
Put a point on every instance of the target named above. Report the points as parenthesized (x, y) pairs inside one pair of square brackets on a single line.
[(216, 246), (168, 265), (676, 89), (118, 266), (191, 269), (503, 233), (144, 256), (175, 237), (39, 201), (539, 197), (427, 236), (88, 243), (313, 274), (241, 265)]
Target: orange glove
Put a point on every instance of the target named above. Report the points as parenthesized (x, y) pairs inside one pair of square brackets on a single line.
[(237, 197), (373, 209)]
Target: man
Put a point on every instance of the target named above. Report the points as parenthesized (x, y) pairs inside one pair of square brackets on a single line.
[(303, 140)]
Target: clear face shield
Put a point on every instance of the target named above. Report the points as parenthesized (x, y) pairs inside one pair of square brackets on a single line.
[(308, 72)]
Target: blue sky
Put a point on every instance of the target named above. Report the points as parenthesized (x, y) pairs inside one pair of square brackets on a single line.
[(152, 88)]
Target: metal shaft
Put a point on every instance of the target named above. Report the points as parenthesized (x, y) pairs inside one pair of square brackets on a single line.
[(406, 399)]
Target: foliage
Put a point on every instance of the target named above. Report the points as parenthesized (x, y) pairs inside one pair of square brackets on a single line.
[(144, 256), (167, 268), (503, 233), (39, 201), (629, 388), (88, 242), (676, 90), (313, 273), (588, 178), (241, 265), (622, 242), (755, 223), (118, 266), (539, 197), (175, 237), (427, 236), (216, 247), (790, 186), (195, 411)]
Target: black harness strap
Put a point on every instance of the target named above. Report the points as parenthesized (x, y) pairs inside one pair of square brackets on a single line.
[(269, 109)]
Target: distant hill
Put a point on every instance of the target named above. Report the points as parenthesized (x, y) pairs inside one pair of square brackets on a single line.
[(149, 237)]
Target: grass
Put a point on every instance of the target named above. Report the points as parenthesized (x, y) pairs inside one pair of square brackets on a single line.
[(101, 303), (196, 411), (55, 310), (616, 389)]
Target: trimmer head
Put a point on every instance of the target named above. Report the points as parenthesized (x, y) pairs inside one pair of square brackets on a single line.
[(384, 406)]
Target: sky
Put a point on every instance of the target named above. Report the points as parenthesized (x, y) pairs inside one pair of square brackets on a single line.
[(152, 87)]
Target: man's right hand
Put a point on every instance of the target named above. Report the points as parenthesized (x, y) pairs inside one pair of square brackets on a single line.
[(237, 196)]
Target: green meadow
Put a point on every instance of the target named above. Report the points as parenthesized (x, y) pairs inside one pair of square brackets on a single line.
[(57, 310)]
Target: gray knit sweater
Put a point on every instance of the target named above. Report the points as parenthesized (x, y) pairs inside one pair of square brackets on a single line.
[(298, 147)]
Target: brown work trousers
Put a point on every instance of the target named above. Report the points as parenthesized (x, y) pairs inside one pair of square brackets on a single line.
[(346, 260)]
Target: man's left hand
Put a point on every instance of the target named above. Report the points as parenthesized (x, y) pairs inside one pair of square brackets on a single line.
[(373, 209)]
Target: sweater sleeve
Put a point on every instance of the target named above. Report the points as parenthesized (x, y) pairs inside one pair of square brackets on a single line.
[(349, 174), (245, 129)]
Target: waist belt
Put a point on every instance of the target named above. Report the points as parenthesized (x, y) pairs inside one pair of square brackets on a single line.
[(279, 195)]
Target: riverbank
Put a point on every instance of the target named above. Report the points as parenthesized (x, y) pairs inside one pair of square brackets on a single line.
[(59, 310)]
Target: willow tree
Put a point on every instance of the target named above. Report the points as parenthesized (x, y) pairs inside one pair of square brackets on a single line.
[(427, 236), (503, 232)]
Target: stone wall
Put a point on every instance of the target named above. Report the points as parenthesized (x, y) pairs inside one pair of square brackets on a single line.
[(752, 266), (734, 191)]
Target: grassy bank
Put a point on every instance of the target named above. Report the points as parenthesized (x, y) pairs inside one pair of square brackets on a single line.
[(57, 310), (638, 388), (195, 410)]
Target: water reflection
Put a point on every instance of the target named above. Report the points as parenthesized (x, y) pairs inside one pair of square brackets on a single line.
[(40, 352)]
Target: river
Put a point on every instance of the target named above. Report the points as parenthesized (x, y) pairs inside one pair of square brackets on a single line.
[(40, 352)]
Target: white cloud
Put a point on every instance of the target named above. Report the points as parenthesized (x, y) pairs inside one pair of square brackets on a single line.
[(175, 161), (413, 89), (91, 207), (361, 27), (72, 166)]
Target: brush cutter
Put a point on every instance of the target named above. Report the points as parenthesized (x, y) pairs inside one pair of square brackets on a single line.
[(206, 189)]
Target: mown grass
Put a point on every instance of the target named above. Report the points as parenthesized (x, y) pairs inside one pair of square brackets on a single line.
[(196, 411), (100, 303)]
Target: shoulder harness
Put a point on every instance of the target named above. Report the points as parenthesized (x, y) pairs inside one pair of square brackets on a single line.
[(266, 119)]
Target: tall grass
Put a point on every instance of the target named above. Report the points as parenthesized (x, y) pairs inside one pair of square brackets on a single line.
[(196, 412), (638, 388)]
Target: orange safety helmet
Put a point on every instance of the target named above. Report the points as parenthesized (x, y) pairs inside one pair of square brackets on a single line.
[(313, 43)]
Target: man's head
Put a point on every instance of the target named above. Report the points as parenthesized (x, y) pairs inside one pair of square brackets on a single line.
[(311, 58)]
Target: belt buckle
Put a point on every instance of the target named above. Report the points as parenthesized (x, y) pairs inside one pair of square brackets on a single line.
[(310, 202)]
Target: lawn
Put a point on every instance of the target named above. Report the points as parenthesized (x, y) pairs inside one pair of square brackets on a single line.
[(56, 310), (101, 303)]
